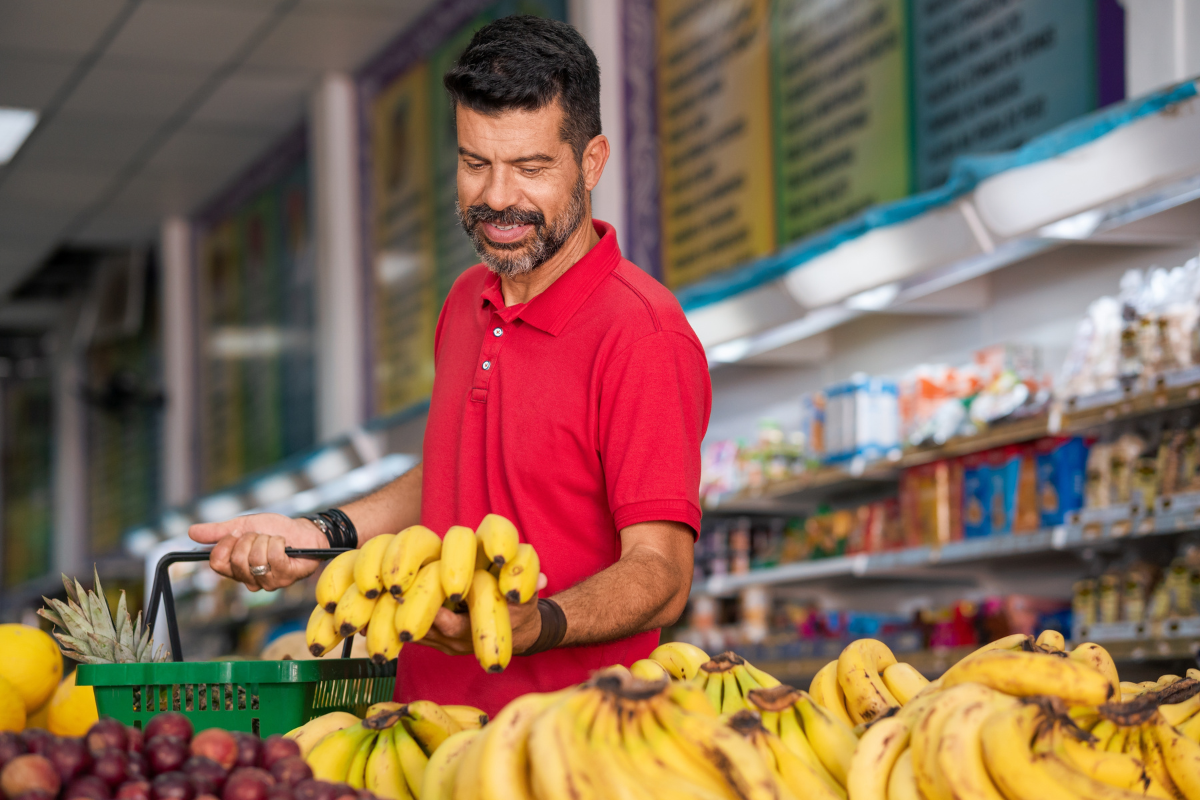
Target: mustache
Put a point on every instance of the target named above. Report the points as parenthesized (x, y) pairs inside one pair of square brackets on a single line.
[(482, 212)]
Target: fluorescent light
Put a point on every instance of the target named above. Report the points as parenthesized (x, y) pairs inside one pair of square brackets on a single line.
[(15, 126), (875, 299)]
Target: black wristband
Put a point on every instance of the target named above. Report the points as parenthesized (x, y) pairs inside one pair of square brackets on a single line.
[(337, 527), (554, 628)]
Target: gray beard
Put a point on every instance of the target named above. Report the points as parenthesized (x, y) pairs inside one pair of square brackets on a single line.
[(511, 260)]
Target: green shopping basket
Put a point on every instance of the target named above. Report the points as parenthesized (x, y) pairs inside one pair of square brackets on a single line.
[(262, 697)]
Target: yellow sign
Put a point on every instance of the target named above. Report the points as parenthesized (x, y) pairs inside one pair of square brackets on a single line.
[(404, 292), (714, 118)]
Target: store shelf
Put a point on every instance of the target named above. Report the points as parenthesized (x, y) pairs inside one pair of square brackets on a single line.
[(1089, 528), (1075, 416)]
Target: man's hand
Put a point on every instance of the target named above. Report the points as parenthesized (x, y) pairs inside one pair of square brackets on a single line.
[(258, 540), (451, 633)]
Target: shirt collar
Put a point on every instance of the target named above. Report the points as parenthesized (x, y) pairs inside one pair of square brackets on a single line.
[(552, 309)]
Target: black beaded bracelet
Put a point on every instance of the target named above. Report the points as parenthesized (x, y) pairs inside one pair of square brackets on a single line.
[(337, 527), (554, 628)]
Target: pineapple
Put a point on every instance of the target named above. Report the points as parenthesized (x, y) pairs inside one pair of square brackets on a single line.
[(91, 636)]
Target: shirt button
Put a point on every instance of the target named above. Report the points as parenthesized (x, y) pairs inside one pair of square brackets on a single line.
[(487, 365), (497, 331)]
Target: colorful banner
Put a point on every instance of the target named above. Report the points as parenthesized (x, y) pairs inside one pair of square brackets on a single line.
[(840, 91), (988, 77), (418, 249), (714, 113), (256, 332)]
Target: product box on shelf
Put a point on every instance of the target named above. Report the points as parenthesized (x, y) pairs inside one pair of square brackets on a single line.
[(931, 501), (862, 419), (1061, 469)]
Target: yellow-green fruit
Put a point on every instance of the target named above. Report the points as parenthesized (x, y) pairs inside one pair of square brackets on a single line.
[(72, 709), (31, 662)]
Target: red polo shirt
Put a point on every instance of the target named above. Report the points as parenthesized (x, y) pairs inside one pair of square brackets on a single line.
[(574, 415)]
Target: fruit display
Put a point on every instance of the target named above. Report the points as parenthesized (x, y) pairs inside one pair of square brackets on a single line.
[(387, 752), (393, 586), (165, 761)]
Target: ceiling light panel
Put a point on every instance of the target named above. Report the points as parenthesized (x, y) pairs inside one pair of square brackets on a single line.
[(15, 126)]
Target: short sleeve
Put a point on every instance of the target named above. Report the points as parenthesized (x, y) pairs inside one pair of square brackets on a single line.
[(655, 398)]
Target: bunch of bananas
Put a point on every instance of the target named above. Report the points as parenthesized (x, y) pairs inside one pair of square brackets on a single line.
[(394, 585), (727, 680), (388, 752), (616, 736)]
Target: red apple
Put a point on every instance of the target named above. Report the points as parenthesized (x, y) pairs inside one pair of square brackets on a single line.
[(206, 775), (87, 787), (313, 790), (11, 746), (169, 723), (248, 783), (274, 748), (248, 748), (35, 794), (165, 754), (217, 745), (137, 766), (28, 772), (291, 770), (37, 740), (136, 739), (106, 734), (134, 790), (70, 757), (280, 792), (171, 786), (112, 767)]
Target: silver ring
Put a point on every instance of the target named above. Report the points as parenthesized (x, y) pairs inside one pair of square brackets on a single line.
[(263, 570)]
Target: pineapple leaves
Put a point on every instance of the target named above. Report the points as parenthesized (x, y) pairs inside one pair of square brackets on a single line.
[(88, 631)]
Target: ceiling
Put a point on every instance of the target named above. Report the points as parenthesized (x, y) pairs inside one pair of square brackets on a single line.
[(149, 107)]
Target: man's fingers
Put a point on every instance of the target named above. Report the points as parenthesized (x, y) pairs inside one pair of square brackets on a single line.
[(451, 625), (218, 559), (281, 566), (259, 558), (239, 561), (211, 532), (542, 581)]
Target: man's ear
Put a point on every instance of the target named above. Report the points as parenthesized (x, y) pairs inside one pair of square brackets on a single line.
[(595, 156)]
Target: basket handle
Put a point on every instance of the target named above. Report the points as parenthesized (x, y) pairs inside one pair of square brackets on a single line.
[(162, 590)]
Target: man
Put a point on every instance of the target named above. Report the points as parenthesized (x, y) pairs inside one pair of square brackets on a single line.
[(570, 396)]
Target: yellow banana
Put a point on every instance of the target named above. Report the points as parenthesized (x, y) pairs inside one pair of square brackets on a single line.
[(356, 776), (960, 753), (827, 692), (903, 681), (429, 724), (335, 579), (927, 733), (1154, 754), (383, 715), (504, 755), (1080, 785), (313, 731), (438, 783), (499, 539), (519, 575), (798, 775), (858, 671), (764, 680), (562, 768), (383, 644), (1006, 738), (465, 784), (707, 739), (491, 627), (731, 698), (902, 783), (331, 758), (383, 776), (417, 608), (668, 750), (457, 565), (690, 697), (1176, 713), (320, 635), (648, 670), (642, 775), (1121, 770), (353, 612), (1052, 640), (368, 569), (468, 717), (1100, 660), (832, 740), (413, 548), (1014, 641), (792, 735), (412, 759), (680, 659), (876, 755), (1181, 757), (1130, 690), (1025, 674)]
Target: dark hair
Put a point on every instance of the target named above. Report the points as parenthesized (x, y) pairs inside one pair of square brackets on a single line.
[(526, 62)]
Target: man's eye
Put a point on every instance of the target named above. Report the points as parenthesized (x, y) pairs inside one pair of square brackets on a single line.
[(530, 171), (475, 164)]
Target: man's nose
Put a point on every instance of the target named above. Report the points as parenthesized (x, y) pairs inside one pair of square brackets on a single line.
[(501, 191)]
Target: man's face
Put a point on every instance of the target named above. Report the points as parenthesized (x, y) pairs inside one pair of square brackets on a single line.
[(521, 193)]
